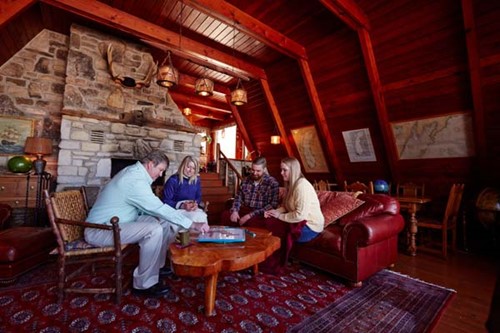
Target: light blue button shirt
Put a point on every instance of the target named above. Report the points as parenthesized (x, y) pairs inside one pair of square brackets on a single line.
[(129, 195)]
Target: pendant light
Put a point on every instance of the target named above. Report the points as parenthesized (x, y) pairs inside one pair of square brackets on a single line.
[(239, 95), (167, 76), (204, 86)]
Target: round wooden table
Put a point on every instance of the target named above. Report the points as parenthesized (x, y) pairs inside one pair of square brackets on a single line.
[(208, 259)]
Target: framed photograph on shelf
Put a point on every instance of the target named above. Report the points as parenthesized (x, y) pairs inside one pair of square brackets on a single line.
[(13, 134), (310, 150)]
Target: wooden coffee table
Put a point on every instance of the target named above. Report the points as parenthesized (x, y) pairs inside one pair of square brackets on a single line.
[(208, 259)]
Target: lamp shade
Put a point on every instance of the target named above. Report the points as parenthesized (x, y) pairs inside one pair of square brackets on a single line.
[(275, 139), (167, 76), (38, 146), (239, 97), (204, 87)]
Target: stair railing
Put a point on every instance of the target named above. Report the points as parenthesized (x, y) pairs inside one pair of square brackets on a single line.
[(230, 166)]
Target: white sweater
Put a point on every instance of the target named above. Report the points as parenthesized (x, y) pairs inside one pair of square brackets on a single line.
[(303, 205)]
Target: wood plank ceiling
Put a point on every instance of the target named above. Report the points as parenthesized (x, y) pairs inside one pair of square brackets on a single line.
[(252, 40)]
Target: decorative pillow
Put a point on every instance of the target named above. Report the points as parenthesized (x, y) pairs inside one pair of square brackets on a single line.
[(334, 205)]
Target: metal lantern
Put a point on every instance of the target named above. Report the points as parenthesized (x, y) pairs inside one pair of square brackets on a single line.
[(239, 95), (204, 87), (167, 75)]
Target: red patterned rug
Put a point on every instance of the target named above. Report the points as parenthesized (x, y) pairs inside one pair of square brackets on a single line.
[(300, 300)]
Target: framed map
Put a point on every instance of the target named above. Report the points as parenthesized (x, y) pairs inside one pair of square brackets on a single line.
[(438, 137), (359, 145), (310, 149)]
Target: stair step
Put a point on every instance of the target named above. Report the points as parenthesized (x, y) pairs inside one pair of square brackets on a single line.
[(215, 190), (209, 175), (211, 183)]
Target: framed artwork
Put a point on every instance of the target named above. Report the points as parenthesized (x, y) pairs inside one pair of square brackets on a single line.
[(359, 145), (13, 134), (310, 150)]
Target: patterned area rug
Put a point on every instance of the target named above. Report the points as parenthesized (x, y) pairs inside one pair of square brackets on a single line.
[(300, 300)]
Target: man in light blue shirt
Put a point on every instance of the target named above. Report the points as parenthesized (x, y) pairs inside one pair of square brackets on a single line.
[(144, 219)]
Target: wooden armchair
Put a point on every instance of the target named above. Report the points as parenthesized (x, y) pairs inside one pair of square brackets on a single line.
[(358, 186), (449, 221), (67, 212)]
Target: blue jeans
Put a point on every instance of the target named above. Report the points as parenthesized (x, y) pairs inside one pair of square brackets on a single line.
[(307, 235)]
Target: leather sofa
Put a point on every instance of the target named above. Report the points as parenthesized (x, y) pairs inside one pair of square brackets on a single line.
[(360, 243), (22, 248)]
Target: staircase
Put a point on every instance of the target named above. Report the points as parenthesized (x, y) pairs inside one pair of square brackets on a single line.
[(214, 191)]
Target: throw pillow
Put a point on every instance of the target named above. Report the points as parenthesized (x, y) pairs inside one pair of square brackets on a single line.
[(334, 205)]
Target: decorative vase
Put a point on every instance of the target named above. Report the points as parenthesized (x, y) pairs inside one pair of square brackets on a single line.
[(19, 164)]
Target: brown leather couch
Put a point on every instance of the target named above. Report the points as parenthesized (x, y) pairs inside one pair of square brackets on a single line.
[(22, 248), (359, 244)]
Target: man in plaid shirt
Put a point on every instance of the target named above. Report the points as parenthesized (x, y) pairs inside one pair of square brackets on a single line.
[(257, 193)]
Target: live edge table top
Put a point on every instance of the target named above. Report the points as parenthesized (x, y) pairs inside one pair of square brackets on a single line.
[(208, 259)]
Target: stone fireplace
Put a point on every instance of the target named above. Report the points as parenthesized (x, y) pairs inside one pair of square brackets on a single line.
[(104, 120)]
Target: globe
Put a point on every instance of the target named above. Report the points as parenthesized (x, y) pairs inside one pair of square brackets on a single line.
[(380, 186), (19, 164)]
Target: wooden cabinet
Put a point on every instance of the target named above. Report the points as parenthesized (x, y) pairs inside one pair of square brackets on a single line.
[(14, 189)]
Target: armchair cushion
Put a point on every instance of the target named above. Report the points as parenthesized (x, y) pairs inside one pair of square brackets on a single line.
[(334, 205)]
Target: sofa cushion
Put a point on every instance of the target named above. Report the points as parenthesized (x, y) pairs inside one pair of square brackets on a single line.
[(334, 205), (371, 207)]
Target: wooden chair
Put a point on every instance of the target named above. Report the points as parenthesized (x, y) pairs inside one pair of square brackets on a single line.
[(67, 211), (321, 185), (410, 190), (359, 187), (449, 221)]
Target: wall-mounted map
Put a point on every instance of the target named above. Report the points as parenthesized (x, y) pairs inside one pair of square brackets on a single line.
[(439, 137), (310, 149), (359, 145)]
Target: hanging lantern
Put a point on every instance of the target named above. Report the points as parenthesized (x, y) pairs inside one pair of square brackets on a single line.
[(186, 111), (275, 139), (167, 76), (204, 87), (239, 95)]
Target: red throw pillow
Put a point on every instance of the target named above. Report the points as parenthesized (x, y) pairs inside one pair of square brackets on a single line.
[(334, 205)]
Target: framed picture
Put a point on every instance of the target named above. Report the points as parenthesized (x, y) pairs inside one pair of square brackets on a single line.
[(310, 149), (359, 145), (13, 134)]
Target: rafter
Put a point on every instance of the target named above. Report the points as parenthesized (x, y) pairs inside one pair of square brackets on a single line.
[(9, 9), (378, 97), (348, 12), (475, 75), (229, 14), (276, 116), (320, 117), (146, 31)]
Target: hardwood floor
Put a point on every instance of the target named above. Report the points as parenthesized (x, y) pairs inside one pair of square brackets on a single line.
[(472, 276)]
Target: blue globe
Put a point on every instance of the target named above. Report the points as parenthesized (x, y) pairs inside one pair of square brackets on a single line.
[(380, 186)]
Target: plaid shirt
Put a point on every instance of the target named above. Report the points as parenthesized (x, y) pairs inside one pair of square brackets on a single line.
[(260, 196)]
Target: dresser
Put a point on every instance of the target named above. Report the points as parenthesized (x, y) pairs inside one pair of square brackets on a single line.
[(14, 189)]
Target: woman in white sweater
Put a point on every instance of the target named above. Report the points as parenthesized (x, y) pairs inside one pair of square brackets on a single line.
[(300, 202)]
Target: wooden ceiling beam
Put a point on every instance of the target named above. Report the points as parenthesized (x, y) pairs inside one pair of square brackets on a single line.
[(156, 35), (349, 12), (240, 125), (9, 9), (276, 115), (378, 97), (198, 101), (231, 15), (475, 76), (320, 118)]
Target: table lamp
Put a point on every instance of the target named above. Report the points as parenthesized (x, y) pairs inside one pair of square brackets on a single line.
[(39, 147)]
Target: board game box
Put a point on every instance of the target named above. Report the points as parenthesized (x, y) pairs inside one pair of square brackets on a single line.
[(222, 235)]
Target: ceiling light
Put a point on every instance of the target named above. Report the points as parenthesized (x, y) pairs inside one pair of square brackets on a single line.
[(167, 75), (204, 87), (275, 139), (186, 111), (239, 95)]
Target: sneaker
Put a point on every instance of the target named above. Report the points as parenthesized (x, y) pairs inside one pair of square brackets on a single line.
[(154, 291)]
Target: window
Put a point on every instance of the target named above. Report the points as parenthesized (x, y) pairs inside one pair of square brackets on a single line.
[(226, 138)]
